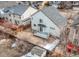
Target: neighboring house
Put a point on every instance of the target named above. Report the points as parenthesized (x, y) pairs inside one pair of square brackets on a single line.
[(56, 3), (19, 14), (4, 4), (75, 3), (47, 22), (74, 32)]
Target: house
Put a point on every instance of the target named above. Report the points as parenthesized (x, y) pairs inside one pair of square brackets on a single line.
[(74, 32), (19, 14), (48, 22), (75, 3), (56, 3)]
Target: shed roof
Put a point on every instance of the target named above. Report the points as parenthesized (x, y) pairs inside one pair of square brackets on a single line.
[(16, 9), (53, 14)]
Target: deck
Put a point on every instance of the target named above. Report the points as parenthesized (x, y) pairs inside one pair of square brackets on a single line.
[(28, 36)]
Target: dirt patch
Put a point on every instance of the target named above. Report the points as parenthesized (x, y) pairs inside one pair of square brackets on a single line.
[(12, 47)]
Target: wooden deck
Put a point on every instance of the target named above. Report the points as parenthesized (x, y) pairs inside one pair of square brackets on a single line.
[(28, 36)]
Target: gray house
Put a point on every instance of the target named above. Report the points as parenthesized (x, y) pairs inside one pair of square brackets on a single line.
[(19, 14), (48, 22)]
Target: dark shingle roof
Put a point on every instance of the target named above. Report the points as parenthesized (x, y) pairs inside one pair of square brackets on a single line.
[(16, 9), (53, 14)]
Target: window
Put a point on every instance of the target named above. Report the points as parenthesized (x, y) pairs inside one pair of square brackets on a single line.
[(0, 17), (9, 14), (16, 22), (76, 31), (6, 18), (10, 19), (52, 28), (41, 21), (6, 11), (34, 24), (41, 29), (19, 3)]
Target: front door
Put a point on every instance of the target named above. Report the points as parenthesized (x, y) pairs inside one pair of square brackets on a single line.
[(41, 29), (41, 32)]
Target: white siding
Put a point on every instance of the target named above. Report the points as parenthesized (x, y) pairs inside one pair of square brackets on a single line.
[(47, 22), (17, 18), (28, 13), (13, 18)]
